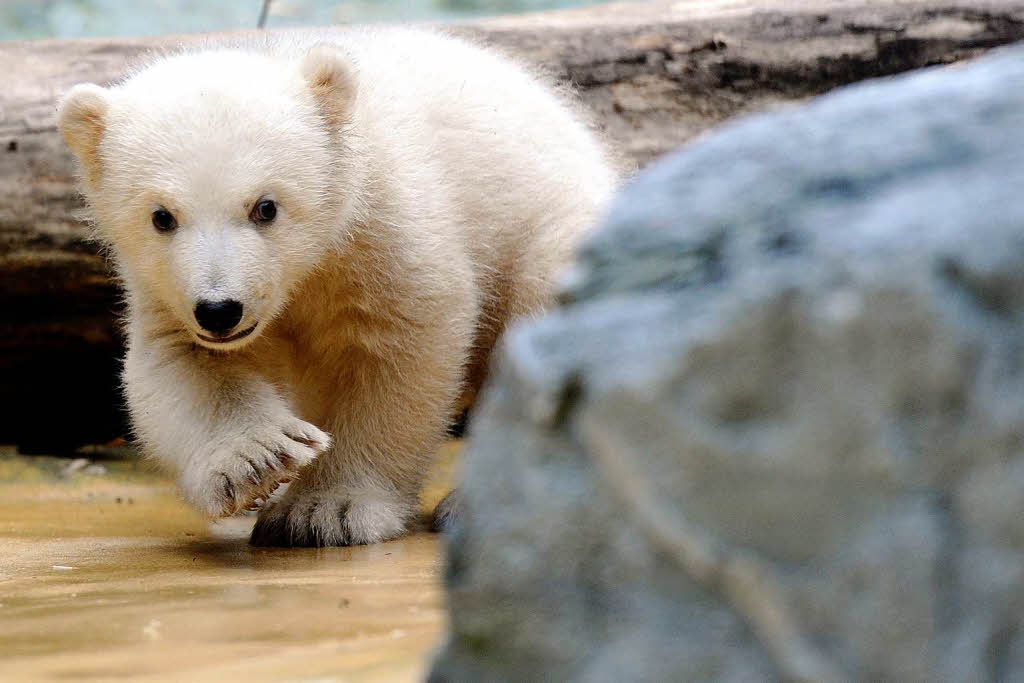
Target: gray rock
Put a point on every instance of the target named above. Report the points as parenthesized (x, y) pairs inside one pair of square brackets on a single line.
[(777, 429)]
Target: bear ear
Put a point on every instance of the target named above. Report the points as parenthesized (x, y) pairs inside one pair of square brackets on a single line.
[(330, 74), (81, 117)]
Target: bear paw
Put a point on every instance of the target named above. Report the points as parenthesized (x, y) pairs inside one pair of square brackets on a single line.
[(246, 468), (321, 518)]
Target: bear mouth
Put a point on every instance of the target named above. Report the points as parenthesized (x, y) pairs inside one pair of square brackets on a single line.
[(230, 338)]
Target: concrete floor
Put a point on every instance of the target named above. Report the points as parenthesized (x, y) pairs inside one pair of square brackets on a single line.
[(105, 574)]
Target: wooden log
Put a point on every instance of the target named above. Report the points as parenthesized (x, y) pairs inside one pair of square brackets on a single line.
[(654, 74)]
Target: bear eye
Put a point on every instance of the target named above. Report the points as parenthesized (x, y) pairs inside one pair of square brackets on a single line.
[(164, 221), (264, 211)]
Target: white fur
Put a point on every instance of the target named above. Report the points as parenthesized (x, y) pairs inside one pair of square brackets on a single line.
[(428, 192)]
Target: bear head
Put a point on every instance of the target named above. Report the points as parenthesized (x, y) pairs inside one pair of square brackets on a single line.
[(218, 179)]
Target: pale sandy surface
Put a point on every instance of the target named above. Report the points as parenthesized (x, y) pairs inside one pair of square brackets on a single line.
[(109, 576)]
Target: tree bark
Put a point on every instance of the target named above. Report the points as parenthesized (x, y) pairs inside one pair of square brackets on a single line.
[(653, 74)]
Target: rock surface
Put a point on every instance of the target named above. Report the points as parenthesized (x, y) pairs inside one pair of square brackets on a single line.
[(777, 429)]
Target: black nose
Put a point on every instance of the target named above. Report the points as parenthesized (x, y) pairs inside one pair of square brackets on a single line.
[(218, 317)]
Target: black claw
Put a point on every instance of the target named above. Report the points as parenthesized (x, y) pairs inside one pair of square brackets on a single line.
[(457, 429), (275, 532), (446, 513), (304, 441), (269, 532), (229, 488), (254, 475)]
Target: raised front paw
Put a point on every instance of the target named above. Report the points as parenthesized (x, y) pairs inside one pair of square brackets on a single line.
[(245, 467), (307, 516)]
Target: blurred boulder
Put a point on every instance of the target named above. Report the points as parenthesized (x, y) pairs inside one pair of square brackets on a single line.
[(776, 432)]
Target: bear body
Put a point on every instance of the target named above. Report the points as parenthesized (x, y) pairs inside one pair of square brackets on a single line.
[(321, 238)]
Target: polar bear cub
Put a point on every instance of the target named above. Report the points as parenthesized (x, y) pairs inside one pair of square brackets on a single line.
[(321, 238)]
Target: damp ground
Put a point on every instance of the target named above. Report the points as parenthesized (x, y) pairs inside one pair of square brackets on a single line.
[(106, 574)]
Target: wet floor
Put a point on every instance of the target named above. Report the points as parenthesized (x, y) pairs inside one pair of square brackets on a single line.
[(105, 574)]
